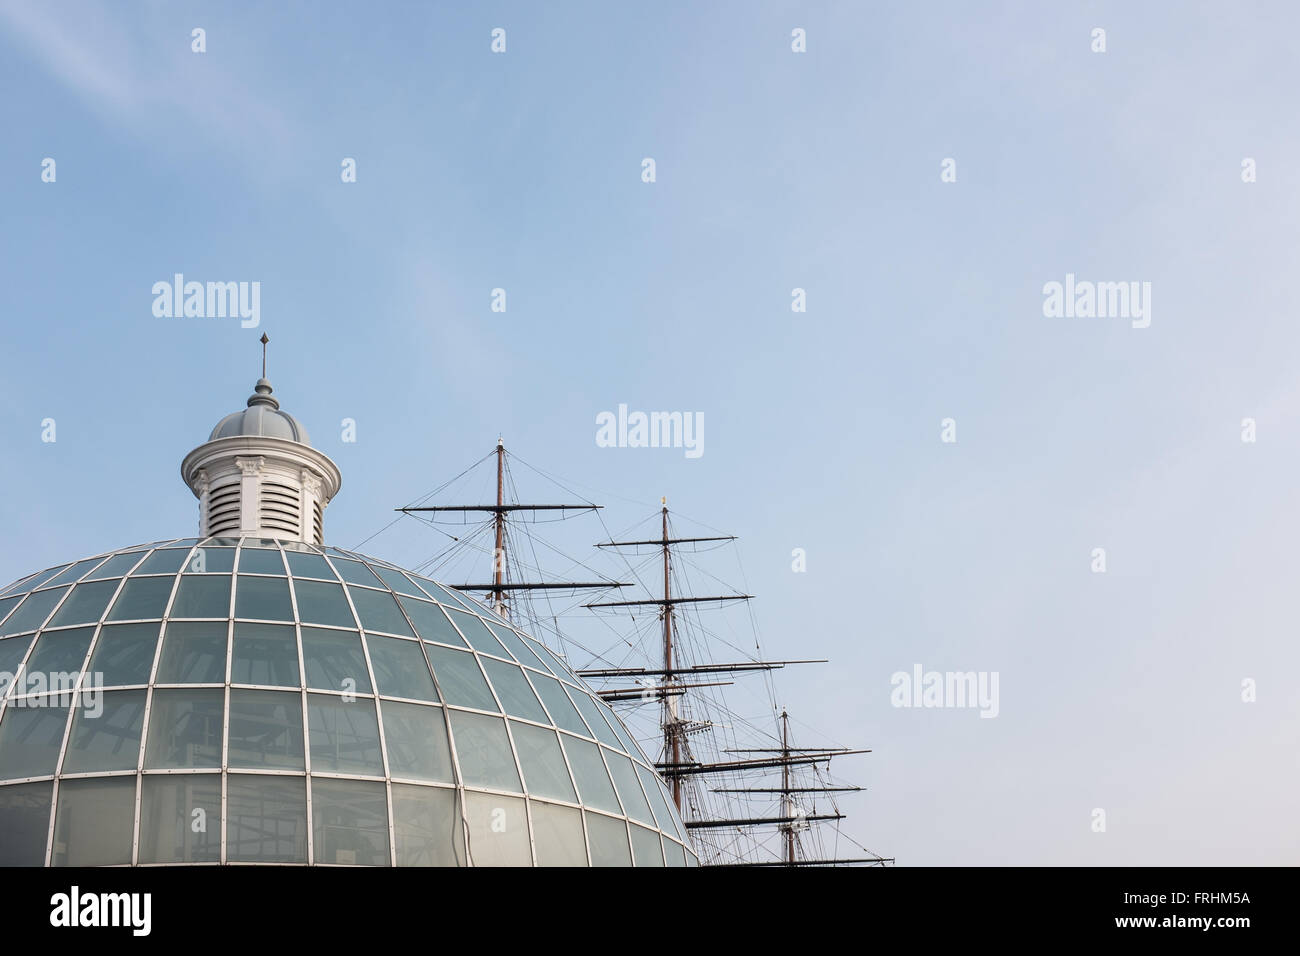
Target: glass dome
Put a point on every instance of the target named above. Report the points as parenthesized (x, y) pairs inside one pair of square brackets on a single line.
[(255, 701)]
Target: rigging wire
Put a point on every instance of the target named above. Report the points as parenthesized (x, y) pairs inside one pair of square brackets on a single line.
[(710, 725)]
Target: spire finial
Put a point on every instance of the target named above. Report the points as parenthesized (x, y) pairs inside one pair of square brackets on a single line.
[(264, 340)]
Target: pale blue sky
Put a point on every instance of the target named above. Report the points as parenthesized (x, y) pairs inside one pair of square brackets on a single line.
[(775, 170)]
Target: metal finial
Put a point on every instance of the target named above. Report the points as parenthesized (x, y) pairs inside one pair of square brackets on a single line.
[(264, 340)]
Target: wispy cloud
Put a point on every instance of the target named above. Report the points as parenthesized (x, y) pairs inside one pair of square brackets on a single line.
[(148, 75)]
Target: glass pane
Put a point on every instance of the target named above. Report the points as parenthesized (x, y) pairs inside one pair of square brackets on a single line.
[(8, 604), (459, 678), (193, 654), (629, 791), (85, 605), (427, 826), (185, 729), (609, 846), (589, 771), (431, 623), (483, 751), (593, 717), (264, 654), (208, 560), (557, 835), (141, 598), (416, 738), (266, 819), (545, 774), (334, 660), (12, 652), (350, 822), (658, 803), (309, 566), (123, 655), (202, 596), (264, 599), (553, 662), (557, 702), (57, 657), (476, 632), (344, 735), (167, 561), (25, 823), (513, 691), (19, 585), (37, 580), (646, 850), (116, 566), (260, 561), (515, 644), (444, 595), (396, 580), (676, 856), (33, 612), (180, 819), (498, 830), (31, 736), (322, 603), (400, 668), (354, 572), (73, 573), (266, 729), (378, 611), (94, 822), (625, 741), (673, 816), (105, 732)]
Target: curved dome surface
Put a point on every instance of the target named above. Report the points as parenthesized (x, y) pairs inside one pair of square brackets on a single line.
[(254, 701), (261, 419)]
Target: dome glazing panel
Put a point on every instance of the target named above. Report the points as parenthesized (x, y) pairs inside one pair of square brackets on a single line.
[(329, 708)]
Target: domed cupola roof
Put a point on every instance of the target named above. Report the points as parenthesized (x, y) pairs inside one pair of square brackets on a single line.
[(258, 476), (261, 419)]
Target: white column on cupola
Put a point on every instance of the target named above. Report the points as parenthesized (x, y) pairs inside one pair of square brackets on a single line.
[(203, 489), (311, 489), (250, 495)]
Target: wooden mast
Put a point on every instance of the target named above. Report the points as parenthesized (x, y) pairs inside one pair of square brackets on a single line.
[(498, 587), (673, 737), (787, 805), (499, 555), (678, 761)]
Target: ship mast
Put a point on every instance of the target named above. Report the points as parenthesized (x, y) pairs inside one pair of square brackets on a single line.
[(678, 763), (499, 554), (499, 589), (671, 726), (670, 688), (787, 804)]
